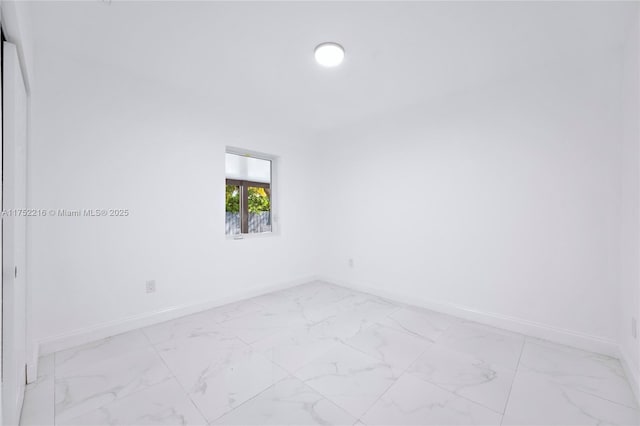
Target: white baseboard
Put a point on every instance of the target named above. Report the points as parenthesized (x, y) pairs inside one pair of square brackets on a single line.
[(631, 369), (107, 329), (518, 325)]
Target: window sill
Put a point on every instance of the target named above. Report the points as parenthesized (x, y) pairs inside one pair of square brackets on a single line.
[(240, 237)]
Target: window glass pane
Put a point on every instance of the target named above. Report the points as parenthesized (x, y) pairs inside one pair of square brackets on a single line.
[(232, 210), (248, 195), (259, 209), (241, 167)]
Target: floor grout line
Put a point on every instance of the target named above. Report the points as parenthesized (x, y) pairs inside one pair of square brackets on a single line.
[(515, 376), (454, 393), (186, 394), (250, 399), (325, 397), (406, 371)]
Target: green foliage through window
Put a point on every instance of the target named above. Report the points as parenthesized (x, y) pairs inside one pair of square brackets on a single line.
[(232, 199), (259, 199)]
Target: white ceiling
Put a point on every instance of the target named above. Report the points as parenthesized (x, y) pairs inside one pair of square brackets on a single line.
[(257, 58)]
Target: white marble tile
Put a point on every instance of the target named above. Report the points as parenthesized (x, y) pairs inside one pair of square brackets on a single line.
[(419, 322), (491, 345), (340, 327), (368, 306), (161, 404), (314, 302), (68, 361), (293, 350), (411, 401), (599, 375), (276, 299), (205, 322), (318, 292), (188, 357), (306, 295), (224, 313), (288, 402), (90, 386), (348, 348), (39, 404), (348, 377), (267, 322), (352, 315), (394, 347), (39, 407), (219, 379), (224, 387), (536, 399), (191, 326), (321, 314), (465, 375)]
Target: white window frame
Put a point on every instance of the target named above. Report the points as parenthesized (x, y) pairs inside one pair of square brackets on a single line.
[(275, 229)]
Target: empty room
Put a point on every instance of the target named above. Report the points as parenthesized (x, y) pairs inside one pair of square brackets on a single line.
[(320, 213)]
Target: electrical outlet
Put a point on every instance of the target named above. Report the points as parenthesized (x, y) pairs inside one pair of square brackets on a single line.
[(634, 327), (350, 262), (151, 286)]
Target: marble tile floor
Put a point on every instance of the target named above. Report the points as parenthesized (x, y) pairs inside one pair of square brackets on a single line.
[(324, 354)]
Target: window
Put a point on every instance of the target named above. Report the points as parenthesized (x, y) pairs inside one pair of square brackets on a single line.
[(248, 196)]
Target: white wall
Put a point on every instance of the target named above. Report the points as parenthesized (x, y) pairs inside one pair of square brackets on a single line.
[(103, 139), (502, 200), (630, 220)]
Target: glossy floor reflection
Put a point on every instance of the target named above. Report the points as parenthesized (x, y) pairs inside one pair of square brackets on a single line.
[(323, 354)]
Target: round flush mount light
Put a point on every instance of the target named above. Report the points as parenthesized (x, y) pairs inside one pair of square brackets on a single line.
[(329, 54)]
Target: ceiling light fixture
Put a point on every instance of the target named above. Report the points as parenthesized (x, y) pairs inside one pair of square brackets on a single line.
[(329, 54)]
